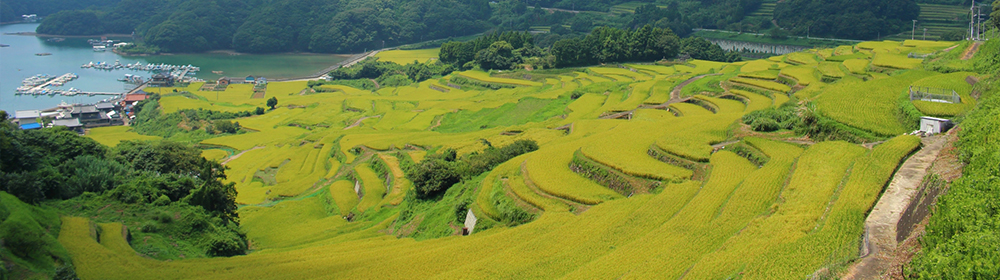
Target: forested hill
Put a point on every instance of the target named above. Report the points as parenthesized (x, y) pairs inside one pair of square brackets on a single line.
[(11, 10), (862, 19), (352, 26), (260, 26)]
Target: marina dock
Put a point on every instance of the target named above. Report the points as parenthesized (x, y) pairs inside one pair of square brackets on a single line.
[(39, 85)]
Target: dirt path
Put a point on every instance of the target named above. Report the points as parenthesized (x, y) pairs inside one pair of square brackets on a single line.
[(971, 51), (358, 123), (881, 242), (675, 97), (377, 86), (437, 123), (236, 156), (675, 94)]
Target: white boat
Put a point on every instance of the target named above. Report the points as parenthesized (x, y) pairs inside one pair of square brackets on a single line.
[(100, 48)]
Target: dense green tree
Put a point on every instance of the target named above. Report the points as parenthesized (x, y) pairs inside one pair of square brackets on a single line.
[(954, 35), (500, 55), (71, 23), (271, 102), (226, 126), (699, 48), (606, 45), (161, 157), (995, 16), (7, 13), (130, 14), (461, 53)]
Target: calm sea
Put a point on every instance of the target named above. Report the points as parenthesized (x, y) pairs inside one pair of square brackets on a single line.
[(19, 61)]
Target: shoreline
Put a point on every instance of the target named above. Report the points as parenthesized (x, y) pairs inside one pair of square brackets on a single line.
[(111, 35)]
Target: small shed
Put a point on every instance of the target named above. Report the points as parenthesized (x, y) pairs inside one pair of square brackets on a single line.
[(470, 223), (224, 81), (249, 80), (934, 125)]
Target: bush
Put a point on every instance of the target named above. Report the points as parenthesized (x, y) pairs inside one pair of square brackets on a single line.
[(22, 235), (226, 243), (773, 119), (432, 176)]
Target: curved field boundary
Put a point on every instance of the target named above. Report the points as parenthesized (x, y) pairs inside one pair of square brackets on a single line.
[(517, 185), (575, 207), (486, 78), (700, 170), (523, 204), (708, 105), (613, 177)]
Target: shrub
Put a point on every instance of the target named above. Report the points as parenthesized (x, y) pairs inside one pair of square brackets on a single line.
[(773, 119)]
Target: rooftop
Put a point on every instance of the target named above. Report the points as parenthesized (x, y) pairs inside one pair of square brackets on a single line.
[(105, 105), (935, 119), (84, 109), (135, 97), (67, 122), (27, 114), (31, 126)]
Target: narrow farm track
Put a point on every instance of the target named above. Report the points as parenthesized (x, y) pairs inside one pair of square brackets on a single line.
[(358, 123), (675, 95), (971, 51), (236, 156), (880, 237)]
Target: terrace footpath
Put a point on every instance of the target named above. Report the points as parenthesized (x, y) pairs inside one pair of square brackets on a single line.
[(882, 227)]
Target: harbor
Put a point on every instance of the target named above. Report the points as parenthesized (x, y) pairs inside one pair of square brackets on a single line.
[(39, 85), (20, 61)]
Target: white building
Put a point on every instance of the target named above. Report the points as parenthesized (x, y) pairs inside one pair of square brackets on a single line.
[(934, 125)]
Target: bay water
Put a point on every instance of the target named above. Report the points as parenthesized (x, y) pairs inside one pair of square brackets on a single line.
[(19, 61)]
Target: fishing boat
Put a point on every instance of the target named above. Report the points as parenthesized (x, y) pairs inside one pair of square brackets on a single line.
[(43, 54), (100, 48)]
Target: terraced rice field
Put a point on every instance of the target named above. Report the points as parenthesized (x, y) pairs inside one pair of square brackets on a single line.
[(706, 213), (112, 135), (404, 57)]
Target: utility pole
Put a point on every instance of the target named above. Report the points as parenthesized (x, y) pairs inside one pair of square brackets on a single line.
[(914, 31), (972, 21)]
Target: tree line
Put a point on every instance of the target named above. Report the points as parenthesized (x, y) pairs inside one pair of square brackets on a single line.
[(433, 175), (507, 50)]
